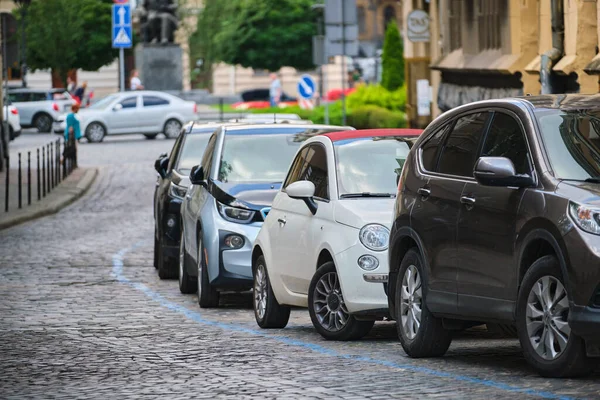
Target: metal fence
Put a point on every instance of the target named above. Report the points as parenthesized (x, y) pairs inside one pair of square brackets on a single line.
[(52, 167)]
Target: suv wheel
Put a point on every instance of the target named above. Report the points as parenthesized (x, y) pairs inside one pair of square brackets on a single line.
[(187, 284), (421, 334), (268, 312), (328, 310), (155, 250), (208, 297), (43, 122), (542, 315)]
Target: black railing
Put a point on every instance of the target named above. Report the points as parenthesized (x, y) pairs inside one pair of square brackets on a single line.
[(49, 173)]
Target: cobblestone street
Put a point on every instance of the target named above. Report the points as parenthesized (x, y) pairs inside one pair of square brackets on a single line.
[(83, 314)]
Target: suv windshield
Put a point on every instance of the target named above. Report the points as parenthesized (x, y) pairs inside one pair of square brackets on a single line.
[(370, 165), (192, 151), (260, 155), (572, 142)]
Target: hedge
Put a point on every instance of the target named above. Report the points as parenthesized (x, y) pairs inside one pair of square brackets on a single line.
[(377, 95)]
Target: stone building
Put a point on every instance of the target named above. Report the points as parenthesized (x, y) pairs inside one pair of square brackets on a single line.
[(496, 48)]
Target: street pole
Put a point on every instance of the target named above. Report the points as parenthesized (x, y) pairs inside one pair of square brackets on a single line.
[(23, 47), (122, 68), (343, 63)]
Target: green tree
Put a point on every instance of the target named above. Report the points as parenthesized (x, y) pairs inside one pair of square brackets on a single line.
[(392, 59), (63, 35), (260, 34)]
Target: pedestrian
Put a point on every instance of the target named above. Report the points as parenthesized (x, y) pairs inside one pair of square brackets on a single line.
[(135, 83), (71, 85), (275, 90), (80, 92), (72, 133)]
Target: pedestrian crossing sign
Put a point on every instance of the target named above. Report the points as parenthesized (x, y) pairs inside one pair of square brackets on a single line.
[(122, 37)]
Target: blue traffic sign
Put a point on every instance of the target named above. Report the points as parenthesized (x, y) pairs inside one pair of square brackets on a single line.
[(306, 87), (121, 26)]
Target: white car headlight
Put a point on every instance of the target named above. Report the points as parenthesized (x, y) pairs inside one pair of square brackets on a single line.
[(177, 191), (374, 237), (585, 217), (234, 214)]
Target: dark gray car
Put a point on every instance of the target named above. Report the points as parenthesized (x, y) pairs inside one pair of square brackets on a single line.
[(497, 219)]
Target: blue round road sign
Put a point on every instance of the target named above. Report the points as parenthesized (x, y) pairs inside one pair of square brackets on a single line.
[(306, 87)]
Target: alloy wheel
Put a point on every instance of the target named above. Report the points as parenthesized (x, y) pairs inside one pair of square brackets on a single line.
[(181, 259), (172, 129), (96, 132), (546, 318), (411, 302), (199, 278), (328, 303), (43, 123), (260, 291)]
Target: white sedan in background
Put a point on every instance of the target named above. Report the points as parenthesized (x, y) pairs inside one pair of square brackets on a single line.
[(146, 112), (324, 242)]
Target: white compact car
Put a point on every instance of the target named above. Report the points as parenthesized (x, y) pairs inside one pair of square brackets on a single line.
[(147, 112), (324, 243), (11, 114)]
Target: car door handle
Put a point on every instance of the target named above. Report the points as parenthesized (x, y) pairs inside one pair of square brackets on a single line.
[(282, 221), (469, 201), (424, 191)]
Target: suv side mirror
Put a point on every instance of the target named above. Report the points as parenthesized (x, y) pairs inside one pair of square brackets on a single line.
[(118, 107), (303, 190), (197, 175), (161, 165), (499, 171)]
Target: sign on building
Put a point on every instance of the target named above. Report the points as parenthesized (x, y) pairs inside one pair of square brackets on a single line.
[(417, 26), (423, 98)]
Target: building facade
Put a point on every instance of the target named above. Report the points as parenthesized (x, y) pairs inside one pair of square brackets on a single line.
[(487, 49)]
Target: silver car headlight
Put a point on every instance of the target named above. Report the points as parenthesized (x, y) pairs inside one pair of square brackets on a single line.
[(588, 219), (177, 191), (374, 237), (234, 214)]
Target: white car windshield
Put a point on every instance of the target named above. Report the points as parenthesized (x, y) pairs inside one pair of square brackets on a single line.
[(103, 103), (370, 165)]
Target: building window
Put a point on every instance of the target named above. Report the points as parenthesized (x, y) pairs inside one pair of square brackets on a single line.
[(489, 18), (362, 20), (389, 15), (454, 24)]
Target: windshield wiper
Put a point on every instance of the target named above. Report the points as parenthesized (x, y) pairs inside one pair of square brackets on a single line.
[(593, 179), (366, 194)]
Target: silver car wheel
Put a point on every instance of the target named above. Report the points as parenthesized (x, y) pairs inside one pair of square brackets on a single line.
[(328, 303), (96, 132), (546, 317), (411, 302), (181, 259), (172, 129), (260, 291), (199, 278)]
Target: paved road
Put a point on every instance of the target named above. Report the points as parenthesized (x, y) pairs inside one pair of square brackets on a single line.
[(83, 315)]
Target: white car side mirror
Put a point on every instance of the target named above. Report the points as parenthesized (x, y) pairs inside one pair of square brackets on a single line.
[(118, 107), (303, 190)]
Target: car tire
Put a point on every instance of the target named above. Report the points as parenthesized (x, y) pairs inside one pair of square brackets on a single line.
[(325, 300), (208, 296), (43, 122), (166, 268), (536, 318), (95, 132), (156, 250), (11, 133), (420, 335), (172, 128), (268, 312), (151, 136), (187, 283)]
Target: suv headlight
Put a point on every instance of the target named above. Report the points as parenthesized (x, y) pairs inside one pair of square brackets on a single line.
[(177, 191), (374, 237), (234, 214), (585, 217)]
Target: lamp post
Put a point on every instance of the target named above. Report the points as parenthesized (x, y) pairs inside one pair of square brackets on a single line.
[(23, 5)]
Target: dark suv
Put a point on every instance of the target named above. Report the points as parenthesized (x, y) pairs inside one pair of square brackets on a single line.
[(497, 220)]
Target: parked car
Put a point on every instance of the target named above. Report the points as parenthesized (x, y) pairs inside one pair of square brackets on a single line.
[(147, 112), (497, 219), (40, 108), (260, 98), (325, 240), (231, 194), (171, 187), (11, 114)]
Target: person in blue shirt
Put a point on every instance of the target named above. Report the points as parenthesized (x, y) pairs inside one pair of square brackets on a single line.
[(72, 124)]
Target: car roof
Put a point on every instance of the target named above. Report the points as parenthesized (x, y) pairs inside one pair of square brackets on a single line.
[(288, 125), (28, 90), (563, 101), (365, 133)]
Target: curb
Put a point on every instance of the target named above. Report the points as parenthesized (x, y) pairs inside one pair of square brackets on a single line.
[(65, 194)]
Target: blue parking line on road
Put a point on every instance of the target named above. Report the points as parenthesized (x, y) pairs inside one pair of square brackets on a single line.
[(117, 272)]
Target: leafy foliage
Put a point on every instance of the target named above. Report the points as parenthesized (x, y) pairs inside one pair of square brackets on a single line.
[(65, 34), (378, 96), (260, 34), (392, 59)]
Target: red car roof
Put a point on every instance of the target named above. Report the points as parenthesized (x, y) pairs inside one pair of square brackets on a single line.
[(365, 133)]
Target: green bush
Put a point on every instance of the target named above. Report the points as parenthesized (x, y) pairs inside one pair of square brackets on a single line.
[(372, 117), (392, 59), (378, 96)]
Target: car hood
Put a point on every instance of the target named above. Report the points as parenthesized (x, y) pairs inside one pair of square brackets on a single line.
[(581, 192), (359, 212), (255, 195)]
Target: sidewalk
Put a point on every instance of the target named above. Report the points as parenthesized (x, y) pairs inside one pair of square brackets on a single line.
[(69, 190)]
